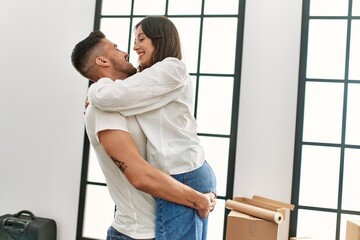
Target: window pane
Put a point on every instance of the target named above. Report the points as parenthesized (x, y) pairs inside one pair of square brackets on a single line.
[(323, 112), (146, 7), (216, 219), (221, 6), (117, 31), (99, 212), (351, 198), (182, 7), (344, 219), (95, 173), (354, 62), (329, 8), (189, 29), (116, 7), (319, 178), (353, 115), (317, 225), (356, 7), (217, 155), (218, 53), (215, 104), (326, 49)]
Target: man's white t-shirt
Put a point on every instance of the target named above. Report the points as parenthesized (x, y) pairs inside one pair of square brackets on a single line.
[(135, 210)]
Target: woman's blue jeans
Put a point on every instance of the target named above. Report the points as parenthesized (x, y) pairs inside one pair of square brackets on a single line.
[(177, 222)]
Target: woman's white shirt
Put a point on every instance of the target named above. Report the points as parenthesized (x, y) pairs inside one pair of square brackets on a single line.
[(161, 97)]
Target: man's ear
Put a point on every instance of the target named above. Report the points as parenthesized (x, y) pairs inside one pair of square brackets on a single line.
[(101, 61)]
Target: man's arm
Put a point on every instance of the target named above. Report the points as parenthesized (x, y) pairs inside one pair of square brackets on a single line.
[(151, 89), (120, 146)]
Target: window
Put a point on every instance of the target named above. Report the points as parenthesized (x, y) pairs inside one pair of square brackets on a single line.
[(327, 153), (211, 36)]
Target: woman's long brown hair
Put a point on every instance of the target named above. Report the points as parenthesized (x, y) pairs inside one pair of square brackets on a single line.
[(164, 36)]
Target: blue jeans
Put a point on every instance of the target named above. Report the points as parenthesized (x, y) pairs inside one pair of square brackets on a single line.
[(177, 222), (113, 234)]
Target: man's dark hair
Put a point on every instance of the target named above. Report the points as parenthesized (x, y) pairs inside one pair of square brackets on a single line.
[(82, 51)]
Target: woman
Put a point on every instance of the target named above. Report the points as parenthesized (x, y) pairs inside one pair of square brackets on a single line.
[(162, 105)]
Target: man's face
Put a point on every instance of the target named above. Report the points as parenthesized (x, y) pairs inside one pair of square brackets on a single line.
[(119, 60)]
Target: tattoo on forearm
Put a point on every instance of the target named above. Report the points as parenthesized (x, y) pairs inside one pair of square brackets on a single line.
[(121, 165)]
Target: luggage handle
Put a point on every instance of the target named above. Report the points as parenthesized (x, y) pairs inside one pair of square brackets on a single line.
[(22, 212), (15, 225)]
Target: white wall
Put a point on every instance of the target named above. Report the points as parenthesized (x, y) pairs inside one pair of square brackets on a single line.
[(267, 111), (41, 102)]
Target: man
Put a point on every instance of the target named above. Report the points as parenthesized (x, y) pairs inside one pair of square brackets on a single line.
[(112, 135)]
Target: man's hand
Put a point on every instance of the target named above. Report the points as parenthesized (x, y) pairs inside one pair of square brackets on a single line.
[(208, 205)]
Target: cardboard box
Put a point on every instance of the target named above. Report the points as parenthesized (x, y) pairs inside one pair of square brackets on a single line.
[(243, 226), (353, 230)]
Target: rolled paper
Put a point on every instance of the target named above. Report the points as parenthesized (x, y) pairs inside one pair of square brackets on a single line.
[(254, 211)]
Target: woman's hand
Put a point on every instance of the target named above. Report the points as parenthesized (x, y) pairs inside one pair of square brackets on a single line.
[(86, 103), (208, 206)]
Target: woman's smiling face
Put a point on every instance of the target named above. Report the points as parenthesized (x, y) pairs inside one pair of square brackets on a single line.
[(143, 47)]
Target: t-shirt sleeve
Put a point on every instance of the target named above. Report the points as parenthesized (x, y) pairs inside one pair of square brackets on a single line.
[(102, 120)]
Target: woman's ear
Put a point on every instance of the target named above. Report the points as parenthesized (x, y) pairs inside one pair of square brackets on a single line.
[(101, 61)]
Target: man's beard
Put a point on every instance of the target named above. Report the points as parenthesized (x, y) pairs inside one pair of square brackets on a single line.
[(132, 71), (124, 68)]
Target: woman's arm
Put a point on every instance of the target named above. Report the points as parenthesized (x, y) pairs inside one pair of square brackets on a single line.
[(151, 89), (121, 148)]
